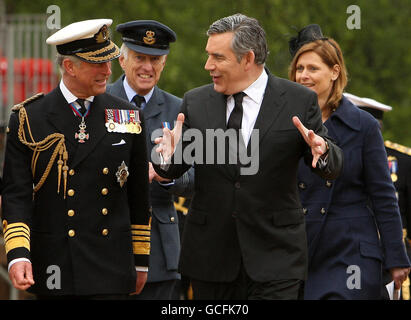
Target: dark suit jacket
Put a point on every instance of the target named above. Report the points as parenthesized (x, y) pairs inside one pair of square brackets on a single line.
[(91, 261), (255, 220), (165, 237)]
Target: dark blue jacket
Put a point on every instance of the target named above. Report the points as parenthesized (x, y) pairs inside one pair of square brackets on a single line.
[(353, 223)]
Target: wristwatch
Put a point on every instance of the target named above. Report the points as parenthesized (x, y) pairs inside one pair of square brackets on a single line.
[(327, 148)]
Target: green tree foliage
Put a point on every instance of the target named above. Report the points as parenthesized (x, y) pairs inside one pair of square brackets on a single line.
[(377, 55)]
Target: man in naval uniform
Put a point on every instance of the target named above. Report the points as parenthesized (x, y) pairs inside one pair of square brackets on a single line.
[(76, 218), (146, 44), (399, 162)]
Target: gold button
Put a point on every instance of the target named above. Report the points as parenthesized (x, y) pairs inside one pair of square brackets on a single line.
[(104, 211), (70, 213), (104, 191), (71, 233), (71, 172), (305, 210), (322, 210), (70, 192), (172, 219), (105, 171), (104, 232)]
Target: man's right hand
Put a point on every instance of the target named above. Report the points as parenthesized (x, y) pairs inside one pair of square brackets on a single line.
[(168, 142), (21, 275)]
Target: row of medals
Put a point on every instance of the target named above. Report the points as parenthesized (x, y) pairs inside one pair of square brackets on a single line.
[(128, 121)]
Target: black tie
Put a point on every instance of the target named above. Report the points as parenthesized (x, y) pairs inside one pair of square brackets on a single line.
[(234, 122), (236, 116), (138, 100), (82, 106)]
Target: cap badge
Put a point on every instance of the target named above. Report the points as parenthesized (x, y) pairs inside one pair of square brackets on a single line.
[(102, 35), (149, 38)]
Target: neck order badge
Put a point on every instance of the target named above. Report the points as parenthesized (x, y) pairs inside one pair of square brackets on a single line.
[(81, 135)]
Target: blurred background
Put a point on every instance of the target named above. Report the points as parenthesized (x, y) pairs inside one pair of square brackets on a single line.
[(375, 39)]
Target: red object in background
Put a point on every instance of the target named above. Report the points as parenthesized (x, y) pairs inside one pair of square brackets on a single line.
[(31, 76)]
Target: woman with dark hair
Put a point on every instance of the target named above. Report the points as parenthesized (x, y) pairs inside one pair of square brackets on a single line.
[(353, 223)]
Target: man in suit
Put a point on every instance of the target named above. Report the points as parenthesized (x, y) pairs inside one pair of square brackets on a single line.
[(75, 198), (143, 57), (245, 235)]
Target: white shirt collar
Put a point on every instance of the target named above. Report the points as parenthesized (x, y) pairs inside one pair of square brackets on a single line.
[(131, 93), (70, 97), (256, 90)]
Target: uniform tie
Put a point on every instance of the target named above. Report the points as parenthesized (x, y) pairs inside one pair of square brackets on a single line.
[(82, 106), (138, 100)]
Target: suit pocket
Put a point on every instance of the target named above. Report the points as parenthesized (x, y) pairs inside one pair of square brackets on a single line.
[(288, 217), (370, 250)]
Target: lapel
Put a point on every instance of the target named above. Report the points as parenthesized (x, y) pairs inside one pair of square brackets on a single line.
[(216, 117), (216, 110), (154, 106), (62, 118), (273, 103), (348, 121), (117, 89), (95, 128)]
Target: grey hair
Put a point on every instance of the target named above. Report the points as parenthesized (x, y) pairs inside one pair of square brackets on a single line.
[(124, 51), (248, 36), (60, 58)]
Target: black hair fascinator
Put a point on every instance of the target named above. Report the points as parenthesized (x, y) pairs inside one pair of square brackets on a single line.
[(308, 34)]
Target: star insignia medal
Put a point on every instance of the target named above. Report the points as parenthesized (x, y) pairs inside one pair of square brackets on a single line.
[(122, 174), (82, 135)]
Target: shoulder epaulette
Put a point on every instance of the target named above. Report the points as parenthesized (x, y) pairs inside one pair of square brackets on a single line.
[(398, 147), (17, 107)]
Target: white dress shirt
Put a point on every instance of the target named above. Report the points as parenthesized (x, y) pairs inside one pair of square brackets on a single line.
[(251, 105), (70, 98)]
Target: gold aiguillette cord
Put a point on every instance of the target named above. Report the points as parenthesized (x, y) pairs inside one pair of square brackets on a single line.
[(43, 145)]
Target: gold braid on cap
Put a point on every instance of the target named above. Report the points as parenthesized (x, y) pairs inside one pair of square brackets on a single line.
[(43, 145)]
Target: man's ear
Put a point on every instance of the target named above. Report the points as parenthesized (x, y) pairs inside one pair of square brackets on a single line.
[(121, 60), (68, 66), (249, 59)]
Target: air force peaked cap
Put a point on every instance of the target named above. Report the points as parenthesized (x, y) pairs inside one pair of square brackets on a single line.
[(147, 36), (88, 40)]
